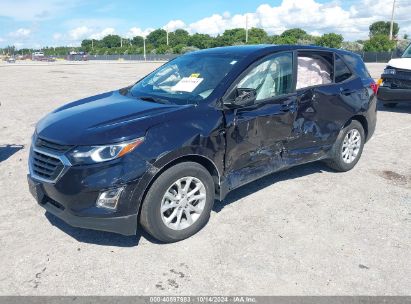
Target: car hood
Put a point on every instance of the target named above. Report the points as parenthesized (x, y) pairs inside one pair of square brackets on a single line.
[(401, 63), (106, 118)]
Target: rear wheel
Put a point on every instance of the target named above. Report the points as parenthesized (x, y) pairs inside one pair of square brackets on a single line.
[(348, 148), (390, 104), (178, 203)]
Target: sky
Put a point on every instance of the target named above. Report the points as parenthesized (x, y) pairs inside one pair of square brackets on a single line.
[(38, 23)]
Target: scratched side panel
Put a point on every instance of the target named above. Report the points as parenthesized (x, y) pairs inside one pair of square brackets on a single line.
[(322, 113), (255, 139), (186, 133)]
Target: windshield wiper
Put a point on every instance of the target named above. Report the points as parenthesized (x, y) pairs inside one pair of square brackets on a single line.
[(153, 99)]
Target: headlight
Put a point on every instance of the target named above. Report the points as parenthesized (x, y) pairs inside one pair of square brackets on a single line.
[(389, 71), (98, 154)]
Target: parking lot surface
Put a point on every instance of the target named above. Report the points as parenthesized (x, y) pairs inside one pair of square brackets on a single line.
[(305, 231)]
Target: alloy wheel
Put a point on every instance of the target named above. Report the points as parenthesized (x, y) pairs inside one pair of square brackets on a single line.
[(351, 146), (183, 203)]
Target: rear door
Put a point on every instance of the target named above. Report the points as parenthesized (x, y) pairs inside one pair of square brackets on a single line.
[(325, 102), (256, 133)]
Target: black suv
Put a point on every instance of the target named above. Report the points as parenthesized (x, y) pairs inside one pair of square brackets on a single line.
[(162, 150)]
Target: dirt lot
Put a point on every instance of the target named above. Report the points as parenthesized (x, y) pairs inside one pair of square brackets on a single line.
[(306, 231)]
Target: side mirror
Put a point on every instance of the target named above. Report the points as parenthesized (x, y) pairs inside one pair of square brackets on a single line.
[(242, 97), (245, 97)]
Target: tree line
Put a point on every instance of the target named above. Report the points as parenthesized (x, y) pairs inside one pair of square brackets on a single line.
[(180, 41)]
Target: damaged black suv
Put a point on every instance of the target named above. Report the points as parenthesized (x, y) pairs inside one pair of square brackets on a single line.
[(161, 151)]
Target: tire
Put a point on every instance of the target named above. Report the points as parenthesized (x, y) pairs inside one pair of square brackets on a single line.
[(337, 161), (390, 104), (153, 219)]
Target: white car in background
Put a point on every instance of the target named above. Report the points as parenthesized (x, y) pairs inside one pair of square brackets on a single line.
[(396, 81), (37, 56)]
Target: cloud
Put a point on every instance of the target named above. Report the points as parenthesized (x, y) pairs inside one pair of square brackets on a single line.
[(314, 17), (79, 33), (310, 15), (74, 36), (103, 33), (173, 25), (57, 36), (212, 25), (136, 31), (21, 33), (83, 32), (352, 21)]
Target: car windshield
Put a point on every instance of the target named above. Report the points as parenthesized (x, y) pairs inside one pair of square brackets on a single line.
[(407, 53), (186, 79)]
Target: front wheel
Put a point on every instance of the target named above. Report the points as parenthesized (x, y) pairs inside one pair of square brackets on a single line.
[(178, 203), (348, 147)]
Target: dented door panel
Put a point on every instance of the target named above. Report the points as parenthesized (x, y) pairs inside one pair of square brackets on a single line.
[(255, 139), (322, 112)]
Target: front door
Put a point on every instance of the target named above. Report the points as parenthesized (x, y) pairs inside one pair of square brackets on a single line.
[(256, 133)]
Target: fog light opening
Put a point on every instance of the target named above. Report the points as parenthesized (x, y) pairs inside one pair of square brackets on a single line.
[(109, 199)]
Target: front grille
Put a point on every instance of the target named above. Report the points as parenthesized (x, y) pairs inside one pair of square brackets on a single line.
[(46, 166), (51, 146), (401, 83), (400, 80), (405, 73)]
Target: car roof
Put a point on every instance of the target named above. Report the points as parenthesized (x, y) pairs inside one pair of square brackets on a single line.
[(262, 49)]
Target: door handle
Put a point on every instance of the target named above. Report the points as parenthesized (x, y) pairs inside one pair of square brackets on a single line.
[(346, 91)]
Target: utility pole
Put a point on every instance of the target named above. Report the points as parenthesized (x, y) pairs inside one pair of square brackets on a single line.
[(246, 29), (121, 42), (144, 47), (167, 37), (92, 44), (392, 20)]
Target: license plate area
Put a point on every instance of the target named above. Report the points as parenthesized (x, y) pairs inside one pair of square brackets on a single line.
[(36, 190)]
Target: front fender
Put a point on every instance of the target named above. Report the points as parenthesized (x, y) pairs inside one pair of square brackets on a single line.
[(197, 135)]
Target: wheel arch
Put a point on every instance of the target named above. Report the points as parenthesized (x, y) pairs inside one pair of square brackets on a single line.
[(200, 159), (362, 120)]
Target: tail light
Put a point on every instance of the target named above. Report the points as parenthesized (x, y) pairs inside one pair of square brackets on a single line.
[(374, 86)]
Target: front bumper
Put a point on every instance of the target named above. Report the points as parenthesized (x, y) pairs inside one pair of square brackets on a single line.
[(387, 94), (73, 194), (90, 218)]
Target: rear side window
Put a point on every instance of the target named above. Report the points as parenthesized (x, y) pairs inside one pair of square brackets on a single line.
[(314, 68), (357, 65), (342, 72)]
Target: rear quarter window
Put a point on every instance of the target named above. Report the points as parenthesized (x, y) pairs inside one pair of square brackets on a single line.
[(341, 71), (357, 65)]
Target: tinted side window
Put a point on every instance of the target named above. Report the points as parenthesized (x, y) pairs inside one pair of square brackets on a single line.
[(271, 78), (342, 72), (357, 65), (407, 52)]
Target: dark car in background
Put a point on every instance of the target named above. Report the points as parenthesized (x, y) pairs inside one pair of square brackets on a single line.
[(396, 81), (162, 150)]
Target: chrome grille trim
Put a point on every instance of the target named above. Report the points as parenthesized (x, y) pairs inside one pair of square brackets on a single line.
[(44, 144), (47, 166)]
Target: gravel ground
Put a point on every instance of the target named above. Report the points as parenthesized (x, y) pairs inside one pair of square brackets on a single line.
[(305, 231)]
